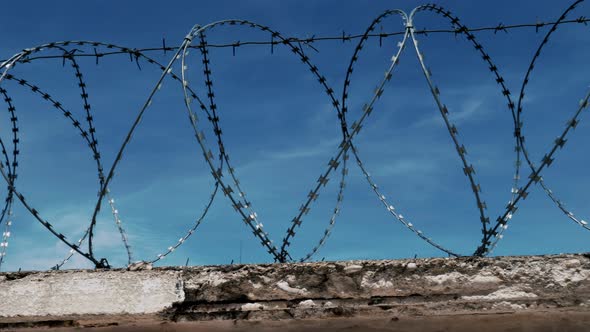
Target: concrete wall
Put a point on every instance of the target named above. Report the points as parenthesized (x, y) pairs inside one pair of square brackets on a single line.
[(89, 292), (359, 291)]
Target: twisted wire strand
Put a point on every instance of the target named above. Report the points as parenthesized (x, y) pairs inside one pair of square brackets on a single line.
[(56, 104), (342, 38), (468, 33), (137, 56), (94, 142), (368, 109), (520, 109), (217, 172), (468, 168), (342, 116), (94, 147), (166, 71), (9, 178), (242, 205), (211, 114), (7, 209), (559, 141)]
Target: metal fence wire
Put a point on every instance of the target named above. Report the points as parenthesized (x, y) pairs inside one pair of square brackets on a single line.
[(202, 105)]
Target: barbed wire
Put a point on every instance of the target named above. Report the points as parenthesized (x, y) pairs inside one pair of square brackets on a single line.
[(309, 41), (221, 166)]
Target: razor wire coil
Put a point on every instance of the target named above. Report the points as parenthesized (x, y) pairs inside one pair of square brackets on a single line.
[(230, 186)]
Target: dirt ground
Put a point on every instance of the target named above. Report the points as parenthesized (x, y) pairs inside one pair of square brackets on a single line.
[(498, 322)]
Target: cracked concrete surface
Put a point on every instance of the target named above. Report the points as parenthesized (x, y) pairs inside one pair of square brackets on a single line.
[(89, 293), (324, 291)]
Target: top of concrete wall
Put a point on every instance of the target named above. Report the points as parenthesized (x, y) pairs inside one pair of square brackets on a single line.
[(323, 289)]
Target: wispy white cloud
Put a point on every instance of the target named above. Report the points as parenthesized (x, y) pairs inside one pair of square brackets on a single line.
[(324, 147), (470, 110), (406, 166)]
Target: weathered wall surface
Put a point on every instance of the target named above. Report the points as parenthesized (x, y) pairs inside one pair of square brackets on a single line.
[(358, 290), (88, 292)]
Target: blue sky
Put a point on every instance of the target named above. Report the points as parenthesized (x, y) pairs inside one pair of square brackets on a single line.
[(281, 130)]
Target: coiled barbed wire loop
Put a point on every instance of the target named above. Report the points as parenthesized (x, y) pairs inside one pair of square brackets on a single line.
[(559, 142), (91, 143), (221, 167)]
